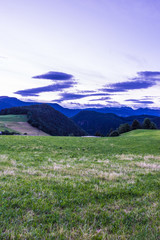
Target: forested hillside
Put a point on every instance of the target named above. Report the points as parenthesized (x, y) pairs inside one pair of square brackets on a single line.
[(103, 123), (47, 119)]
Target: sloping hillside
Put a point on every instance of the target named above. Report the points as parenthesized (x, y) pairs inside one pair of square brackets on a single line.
[(47, 119), (18, 124), (25, 128)]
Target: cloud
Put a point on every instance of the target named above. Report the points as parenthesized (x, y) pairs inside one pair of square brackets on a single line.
[(2, 57), (50, 88), (139, 101), (71, 96), (148, 74), (109, 104), (114, 103), (100, 94), (101, 99), (144, 80), (65, 96), (60, 76), (132, 85), (87, 105), (94, 105), (65, 81)]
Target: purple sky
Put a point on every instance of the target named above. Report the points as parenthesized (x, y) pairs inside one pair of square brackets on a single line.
[(81, 52)]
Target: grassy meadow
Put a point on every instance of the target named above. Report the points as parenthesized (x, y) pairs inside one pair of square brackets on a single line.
[(13, 118), (3, 127), (80, 188)]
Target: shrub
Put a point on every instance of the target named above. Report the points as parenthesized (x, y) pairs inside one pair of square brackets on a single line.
[(135, 124), (146, 123), (114, 133), (153, 126), (124, 128), (98, 134)]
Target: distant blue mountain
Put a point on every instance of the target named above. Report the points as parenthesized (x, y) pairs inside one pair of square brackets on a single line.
[(8, 102)]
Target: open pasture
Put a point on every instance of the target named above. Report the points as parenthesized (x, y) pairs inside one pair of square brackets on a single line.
[(13, 118), (80, 188)]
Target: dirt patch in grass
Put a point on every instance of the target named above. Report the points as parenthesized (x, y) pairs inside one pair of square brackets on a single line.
[(149, 165)]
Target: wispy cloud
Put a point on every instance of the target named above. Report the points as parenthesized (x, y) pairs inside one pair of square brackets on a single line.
[(71, 96), (50, 88), (139, 101), (101, 99), (144, 80), (65, 96), (94, 105), (2, 57), (149, 74), (65, 81), (125, 86), (99, 105), (60, 76)]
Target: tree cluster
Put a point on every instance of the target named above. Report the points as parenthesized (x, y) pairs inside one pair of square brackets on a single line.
[(6, 132), (123, 128)]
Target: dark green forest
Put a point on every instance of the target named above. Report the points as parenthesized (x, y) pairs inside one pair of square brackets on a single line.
[(47, 119), (102, 124)]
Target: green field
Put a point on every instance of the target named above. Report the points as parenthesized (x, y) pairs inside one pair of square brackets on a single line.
[(80, 188), (13, 118), (4, 128)]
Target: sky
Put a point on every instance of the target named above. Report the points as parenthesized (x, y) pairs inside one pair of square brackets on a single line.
[(81, 53)]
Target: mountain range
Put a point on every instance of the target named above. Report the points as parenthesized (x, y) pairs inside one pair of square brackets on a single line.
[(7, 102), (58, 121)]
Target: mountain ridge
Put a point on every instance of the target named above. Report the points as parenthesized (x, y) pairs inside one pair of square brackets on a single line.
[(7, 102)]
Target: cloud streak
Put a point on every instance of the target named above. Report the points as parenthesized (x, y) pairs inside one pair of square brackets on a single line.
[(144, 80), (59, 76), (50, 88), (125, 86), (65, 96), (148, 74), (139, 101), (65, 81), (101, 99)]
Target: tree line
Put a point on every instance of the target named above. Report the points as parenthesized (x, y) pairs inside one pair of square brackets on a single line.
[(123, 128)]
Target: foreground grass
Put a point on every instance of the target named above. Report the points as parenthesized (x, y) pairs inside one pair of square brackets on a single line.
[(80, 188)]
